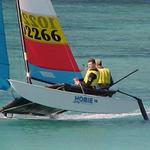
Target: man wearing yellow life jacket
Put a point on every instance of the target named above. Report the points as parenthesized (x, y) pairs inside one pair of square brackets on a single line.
[(105, 79), (92, 75)]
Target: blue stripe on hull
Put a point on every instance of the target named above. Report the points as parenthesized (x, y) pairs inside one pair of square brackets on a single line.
[(53, 76), (4, 66)]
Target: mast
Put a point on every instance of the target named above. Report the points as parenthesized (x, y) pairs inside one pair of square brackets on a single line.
[(23, 42)]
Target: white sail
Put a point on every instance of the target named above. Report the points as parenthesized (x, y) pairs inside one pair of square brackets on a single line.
[(39, 7)]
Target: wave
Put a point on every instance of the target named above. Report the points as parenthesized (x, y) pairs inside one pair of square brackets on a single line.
[(89, 116), (73, 116), (85, 116)]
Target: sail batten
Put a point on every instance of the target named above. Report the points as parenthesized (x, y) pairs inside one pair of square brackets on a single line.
[(46, 47)]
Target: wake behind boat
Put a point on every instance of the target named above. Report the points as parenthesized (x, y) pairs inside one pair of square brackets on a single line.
[(48, 58)]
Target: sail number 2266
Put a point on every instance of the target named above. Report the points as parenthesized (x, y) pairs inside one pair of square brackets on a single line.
[(43, 34), (43, 28)]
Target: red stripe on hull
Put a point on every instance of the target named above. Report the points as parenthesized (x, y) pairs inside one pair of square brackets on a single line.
[(50, 56)]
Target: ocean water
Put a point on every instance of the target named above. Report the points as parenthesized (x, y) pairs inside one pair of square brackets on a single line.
[(118, 32)]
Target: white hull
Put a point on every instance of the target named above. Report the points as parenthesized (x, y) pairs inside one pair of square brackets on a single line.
[(73, 101)]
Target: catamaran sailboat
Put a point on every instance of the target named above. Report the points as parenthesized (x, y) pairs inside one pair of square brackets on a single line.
[(48, 59)]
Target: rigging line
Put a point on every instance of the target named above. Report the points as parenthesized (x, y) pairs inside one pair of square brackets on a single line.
[(69, 57), (16, 107), (74, 67), (82, 88), (12, 94), (72, 63), (140, 103), (23, 41), (124, 77), (66, 48), (66, 45)]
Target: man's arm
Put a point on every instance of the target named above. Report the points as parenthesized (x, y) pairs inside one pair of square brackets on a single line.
[(91, 77)]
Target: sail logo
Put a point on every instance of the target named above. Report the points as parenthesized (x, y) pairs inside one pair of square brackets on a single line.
[(84, 100), (47, 74)]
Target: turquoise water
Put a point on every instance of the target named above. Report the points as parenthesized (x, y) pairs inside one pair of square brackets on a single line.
[(112, 134), (119, 33)]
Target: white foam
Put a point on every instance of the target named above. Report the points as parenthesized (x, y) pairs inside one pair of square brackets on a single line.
[(70, 116), (85, 116)]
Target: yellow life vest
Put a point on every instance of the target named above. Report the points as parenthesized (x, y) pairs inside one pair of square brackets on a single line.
[(104, 76), (95, 81)]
